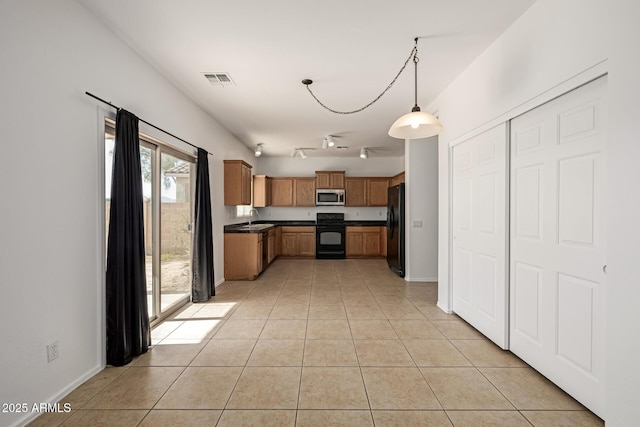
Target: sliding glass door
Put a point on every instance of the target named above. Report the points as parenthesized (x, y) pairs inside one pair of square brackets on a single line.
[(168, 180)]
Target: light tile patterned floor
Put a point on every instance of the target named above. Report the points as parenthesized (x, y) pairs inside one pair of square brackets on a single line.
[(319, 343)]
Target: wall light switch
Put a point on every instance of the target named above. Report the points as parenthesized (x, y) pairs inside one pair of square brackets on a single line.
[(417, 224)]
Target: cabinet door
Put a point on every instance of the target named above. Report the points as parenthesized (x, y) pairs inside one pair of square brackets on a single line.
[(246, 185), (377, 191), (337, 180), (237, 190), (355, 192), (304, 192), (354, 244), (261, 191), (289, 244), (281, 191), (371, 243), (271, 246), (323, 180), (383, 241), (306, 244)]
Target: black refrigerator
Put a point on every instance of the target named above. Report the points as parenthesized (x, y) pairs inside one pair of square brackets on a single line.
[(395, 229)]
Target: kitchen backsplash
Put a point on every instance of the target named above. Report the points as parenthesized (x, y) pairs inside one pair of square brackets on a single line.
[(302, 214)]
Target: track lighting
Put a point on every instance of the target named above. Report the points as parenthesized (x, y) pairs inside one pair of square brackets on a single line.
[(302, 154), (258, 151), (364, 153), (330, 141), (325, 143)]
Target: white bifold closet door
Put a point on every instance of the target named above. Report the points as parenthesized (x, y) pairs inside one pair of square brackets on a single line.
[(557, 242), (479, 273)]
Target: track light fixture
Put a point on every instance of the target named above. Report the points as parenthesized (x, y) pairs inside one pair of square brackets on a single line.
[(258, 151), (330, 141), (364, 153), (414, 125), (302, 154), (325, 143)]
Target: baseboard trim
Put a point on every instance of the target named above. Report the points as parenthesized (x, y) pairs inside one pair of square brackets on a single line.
[(58, 396), (421, 279), (446, 310)]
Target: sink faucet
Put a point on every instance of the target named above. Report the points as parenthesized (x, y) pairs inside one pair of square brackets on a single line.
[(251, 211)]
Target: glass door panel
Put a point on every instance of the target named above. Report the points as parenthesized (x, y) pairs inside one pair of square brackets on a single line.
[(175, 229)]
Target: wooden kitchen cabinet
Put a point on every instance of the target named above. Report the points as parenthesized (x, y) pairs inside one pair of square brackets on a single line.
[(396, 179), (304, 192), (330, 179), (298, 241), (366, 191), (237, 182), (271, 245), (261, 191), (377, 191), (355, 191), (242, 255), (364, 242), (281, 191)]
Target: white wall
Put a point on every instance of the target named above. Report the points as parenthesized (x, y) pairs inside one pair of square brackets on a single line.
[(553, 45), (51, 230), (421, 194), (353, 166)]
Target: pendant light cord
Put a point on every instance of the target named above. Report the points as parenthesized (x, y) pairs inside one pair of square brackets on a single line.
[(413, 54)]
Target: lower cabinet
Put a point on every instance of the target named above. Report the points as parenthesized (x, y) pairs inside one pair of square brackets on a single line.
[(298, 241), (242, 255), (366, 242)]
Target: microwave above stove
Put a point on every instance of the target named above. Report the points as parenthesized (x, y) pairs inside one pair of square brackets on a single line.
[(329, 197)]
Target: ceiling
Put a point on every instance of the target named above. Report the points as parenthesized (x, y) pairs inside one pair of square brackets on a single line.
[(351, 49)]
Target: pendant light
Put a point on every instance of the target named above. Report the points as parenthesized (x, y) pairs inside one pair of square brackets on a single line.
[(416, 124)]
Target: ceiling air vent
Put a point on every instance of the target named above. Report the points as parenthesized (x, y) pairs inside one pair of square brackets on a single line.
[(220, 79), (342, 147)]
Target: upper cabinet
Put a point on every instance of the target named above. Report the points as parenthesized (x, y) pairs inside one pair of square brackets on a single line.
[(330, 179), (397, 179), (366, 191), (281, 191), (287, 192), (377, 191), (237, 182), (304, 191), (355, 192), (261, 191)]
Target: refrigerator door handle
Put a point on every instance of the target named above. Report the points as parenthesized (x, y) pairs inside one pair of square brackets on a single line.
[(391, 222)]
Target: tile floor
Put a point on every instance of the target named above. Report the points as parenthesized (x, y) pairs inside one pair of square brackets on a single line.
[(321, 343)]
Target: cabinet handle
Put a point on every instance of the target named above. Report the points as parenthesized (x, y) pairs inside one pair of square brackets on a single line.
[(604, 268)]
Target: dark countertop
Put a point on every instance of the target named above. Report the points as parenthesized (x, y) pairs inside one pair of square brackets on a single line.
[(241, 227), (365, 223)]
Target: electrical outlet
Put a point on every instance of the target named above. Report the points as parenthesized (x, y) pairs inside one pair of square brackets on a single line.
[(379, 213), (52, 352), (357, 213)]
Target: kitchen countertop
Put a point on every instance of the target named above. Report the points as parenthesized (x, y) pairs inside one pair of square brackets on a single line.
[(258, 226)]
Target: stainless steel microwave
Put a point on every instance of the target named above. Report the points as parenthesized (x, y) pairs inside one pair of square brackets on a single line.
[(329, 197)]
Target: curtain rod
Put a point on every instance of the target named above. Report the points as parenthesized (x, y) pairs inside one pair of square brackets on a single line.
[(144, 121)]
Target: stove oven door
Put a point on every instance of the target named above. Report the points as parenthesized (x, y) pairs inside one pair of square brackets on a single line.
[(330, 242)]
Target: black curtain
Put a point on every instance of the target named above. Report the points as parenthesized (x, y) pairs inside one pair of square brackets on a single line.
[(128, 332), (202, 284)]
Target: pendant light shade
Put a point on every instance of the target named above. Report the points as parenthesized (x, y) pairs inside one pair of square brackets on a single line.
[(415, 125)]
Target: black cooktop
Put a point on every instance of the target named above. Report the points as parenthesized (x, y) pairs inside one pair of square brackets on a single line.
[(329, 218)]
